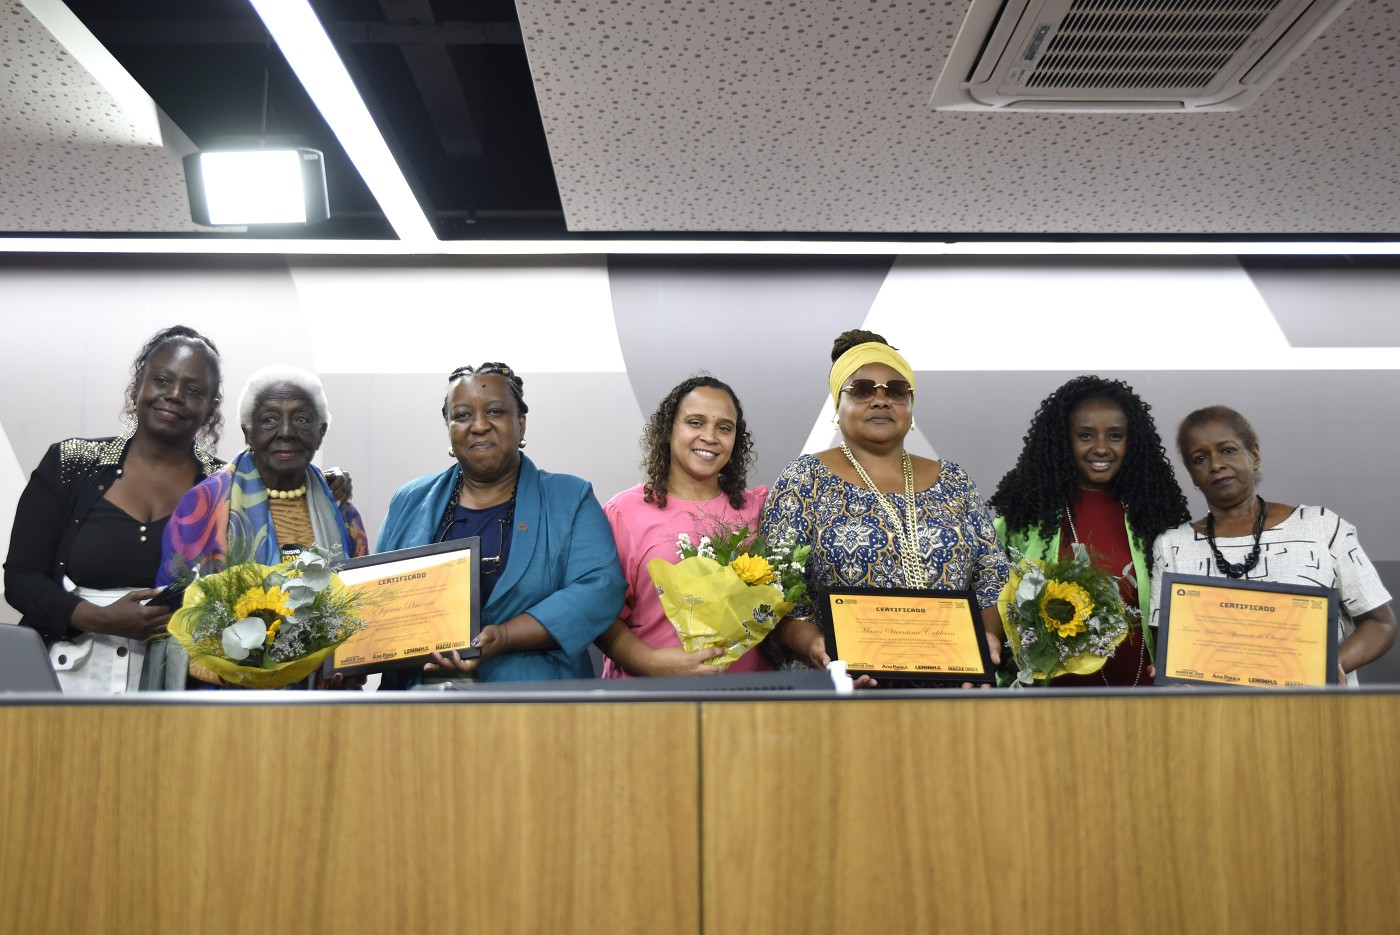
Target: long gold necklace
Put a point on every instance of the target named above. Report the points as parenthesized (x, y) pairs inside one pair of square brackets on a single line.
[(906, 530)]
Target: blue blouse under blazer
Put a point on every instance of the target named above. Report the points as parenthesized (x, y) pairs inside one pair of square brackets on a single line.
[(562, 568)]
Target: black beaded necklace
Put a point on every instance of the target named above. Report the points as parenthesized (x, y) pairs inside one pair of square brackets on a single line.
[(450, 514), (1238, 569)]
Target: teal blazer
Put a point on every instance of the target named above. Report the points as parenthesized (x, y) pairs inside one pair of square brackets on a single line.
[(1030, 543), (562, 568)]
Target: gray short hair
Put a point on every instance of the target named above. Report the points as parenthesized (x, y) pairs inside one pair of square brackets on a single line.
[(270, 376)]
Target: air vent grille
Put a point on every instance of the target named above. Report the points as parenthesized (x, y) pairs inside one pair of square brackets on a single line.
[(1127, 44), (1115, 56)]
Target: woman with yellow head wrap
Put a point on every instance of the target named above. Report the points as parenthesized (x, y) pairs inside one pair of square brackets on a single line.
[(875, 515)]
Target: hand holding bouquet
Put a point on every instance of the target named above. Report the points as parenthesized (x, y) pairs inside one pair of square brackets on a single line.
[(730, 590), (1061, 617), (263, 626)]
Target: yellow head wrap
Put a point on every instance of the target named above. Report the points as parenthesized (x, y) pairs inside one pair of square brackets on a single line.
[(872, 352)]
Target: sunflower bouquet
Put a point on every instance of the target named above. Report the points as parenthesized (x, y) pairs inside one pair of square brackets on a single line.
[(730, 590), (1063, 617), (266, 626)]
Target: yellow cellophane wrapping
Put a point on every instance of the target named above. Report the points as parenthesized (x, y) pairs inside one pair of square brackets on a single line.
[(182, 625), (1079, 664), (710, 605)]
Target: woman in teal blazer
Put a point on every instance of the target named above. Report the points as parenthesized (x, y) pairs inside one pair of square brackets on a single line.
[(550, 578)]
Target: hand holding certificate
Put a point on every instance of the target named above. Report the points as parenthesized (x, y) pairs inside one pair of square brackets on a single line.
[(1246, 633), (908, 634), (420, 601)]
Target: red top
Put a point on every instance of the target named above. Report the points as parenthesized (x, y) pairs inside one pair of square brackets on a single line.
[(1102, 526)]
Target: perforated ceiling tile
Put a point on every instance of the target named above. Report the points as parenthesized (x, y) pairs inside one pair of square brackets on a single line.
[(776, 115), (72, 159)]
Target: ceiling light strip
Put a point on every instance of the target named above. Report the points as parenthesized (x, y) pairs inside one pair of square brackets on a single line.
[(309, 52), (689, 247)]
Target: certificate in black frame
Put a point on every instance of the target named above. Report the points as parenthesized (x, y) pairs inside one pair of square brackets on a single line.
[(833, 595), (1172, 581), (472, 546)]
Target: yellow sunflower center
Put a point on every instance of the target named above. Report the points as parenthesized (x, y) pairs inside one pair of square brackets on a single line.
[(267, 603), (1065, 607)]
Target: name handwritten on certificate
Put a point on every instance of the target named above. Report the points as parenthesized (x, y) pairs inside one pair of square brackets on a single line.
[(925, 634), (412, 608), (1233, 636)]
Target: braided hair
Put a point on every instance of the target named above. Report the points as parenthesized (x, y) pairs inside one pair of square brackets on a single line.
[(849, 339), (656, 445), (1036, 491), (182, 336), (489, 369)]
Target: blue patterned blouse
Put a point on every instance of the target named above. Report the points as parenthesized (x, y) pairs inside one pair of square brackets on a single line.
[(854, 541)]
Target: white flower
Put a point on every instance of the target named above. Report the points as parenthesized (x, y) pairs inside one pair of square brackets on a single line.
[(302, 591), (241, 638), (1032, 583)]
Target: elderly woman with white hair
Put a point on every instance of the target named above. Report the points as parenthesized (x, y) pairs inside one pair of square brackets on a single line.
[(270, 497)]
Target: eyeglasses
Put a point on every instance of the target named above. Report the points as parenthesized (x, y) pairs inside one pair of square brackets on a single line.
[(896, 391), (490, 564)]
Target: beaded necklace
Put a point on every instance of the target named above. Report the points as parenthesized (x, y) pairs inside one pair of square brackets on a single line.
[(1237, 569), (450, 514), (907, 530)]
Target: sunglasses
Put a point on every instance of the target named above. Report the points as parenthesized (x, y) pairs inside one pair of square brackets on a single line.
[(896, 391)]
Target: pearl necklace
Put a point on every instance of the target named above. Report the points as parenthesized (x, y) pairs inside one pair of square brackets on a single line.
[(286, 494), (907, 531)]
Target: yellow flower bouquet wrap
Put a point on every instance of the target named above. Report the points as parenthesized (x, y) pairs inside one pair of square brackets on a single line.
[(730, 591), (710, 605), (1062, 618), (265, 626)]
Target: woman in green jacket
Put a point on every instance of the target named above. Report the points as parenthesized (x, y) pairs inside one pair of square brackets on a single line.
[(1093, 470)]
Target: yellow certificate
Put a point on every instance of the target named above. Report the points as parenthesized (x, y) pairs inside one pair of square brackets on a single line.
[(417, 602), (908, 634), (1251, 634)]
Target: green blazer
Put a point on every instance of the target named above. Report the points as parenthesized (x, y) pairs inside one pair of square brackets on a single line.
[(1032, 545)]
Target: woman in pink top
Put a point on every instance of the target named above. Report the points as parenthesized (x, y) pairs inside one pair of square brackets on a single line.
[(696, 454)]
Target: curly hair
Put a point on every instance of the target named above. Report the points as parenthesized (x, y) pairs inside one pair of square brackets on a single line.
[(272, 375), (849, 339), (656, 445), (1225, 416), (492, 368), (1036, 491), (182, 336)]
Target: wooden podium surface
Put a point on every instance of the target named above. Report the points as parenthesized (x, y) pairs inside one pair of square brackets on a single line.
[(1167, 811), (344, 818), (1171, 812)]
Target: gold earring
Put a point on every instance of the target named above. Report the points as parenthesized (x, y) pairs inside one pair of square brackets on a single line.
[(913, 423), (522, 443), (451, 453), (836, 418)]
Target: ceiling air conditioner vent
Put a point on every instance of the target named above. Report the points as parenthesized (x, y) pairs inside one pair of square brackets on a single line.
[(1124, 55)]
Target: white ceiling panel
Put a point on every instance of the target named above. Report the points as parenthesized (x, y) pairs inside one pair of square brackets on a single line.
[(775, 115), (75, 155)]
